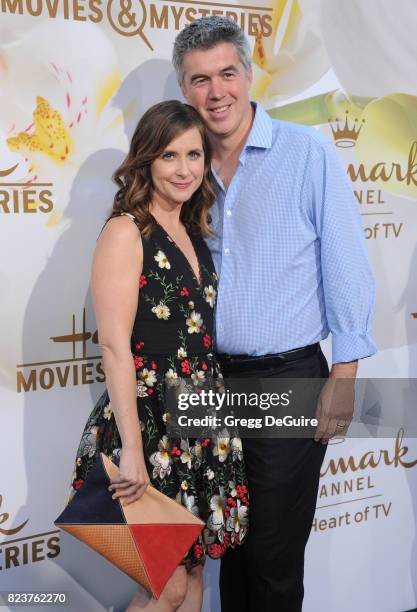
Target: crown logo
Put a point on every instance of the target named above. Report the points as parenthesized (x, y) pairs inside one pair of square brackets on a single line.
[(347, 135)]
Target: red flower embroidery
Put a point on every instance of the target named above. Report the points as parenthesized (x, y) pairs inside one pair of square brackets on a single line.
[(206, 341), (143, 281), (149, 391), (139, 345), (138, 361), (184, 292), (215, 550), (185, 366), (154, 365), (78, 484), (198, 551), (204, 366)]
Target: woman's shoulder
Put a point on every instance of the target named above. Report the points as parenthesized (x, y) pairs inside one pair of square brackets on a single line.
[(120, 236)]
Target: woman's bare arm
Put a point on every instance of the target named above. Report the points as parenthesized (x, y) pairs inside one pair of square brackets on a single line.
[(117, 265)]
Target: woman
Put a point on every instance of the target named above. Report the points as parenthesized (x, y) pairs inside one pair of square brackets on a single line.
[(155, 334)]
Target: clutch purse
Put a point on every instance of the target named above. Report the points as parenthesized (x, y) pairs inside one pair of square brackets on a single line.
[(146, 539)]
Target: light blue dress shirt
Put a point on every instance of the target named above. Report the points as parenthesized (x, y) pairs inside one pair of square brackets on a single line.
[(289, 248)]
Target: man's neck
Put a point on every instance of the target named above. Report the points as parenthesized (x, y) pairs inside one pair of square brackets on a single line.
[(229, 146)]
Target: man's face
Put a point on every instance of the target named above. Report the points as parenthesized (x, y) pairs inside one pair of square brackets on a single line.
[(217, 85)]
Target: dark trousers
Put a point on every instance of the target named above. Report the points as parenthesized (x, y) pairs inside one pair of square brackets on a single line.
[(266, 573)]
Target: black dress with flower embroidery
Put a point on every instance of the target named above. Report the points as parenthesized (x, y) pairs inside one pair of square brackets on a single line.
[(172, 340)]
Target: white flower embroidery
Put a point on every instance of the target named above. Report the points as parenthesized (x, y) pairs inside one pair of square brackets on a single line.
[(148, 377), (161, 459), (141, 389), (108, 412), (210, 295), (237, 451), (186, 454), (232, 487), (161, 311), (209, 474), (198, 377), (171, 377), (194, 323), (181, 353), (217, 506), (162, 260), (189, 503), (238, 518), (222, 447)]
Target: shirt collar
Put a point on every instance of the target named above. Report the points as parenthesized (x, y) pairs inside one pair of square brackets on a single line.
[(260, 135)]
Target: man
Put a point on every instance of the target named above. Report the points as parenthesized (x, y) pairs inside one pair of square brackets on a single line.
[(292, 262)]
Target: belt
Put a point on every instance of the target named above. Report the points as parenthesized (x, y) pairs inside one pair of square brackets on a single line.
[(244, 363)]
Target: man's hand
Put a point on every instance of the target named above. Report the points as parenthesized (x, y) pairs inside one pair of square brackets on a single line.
[(336, 402)]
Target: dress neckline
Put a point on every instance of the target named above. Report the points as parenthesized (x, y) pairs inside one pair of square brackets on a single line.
[(197, 277)]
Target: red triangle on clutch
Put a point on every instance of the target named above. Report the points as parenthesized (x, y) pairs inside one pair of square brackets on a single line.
[(162, 548)]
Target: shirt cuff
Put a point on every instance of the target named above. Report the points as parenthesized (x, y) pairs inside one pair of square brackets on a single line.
[(352, 346)]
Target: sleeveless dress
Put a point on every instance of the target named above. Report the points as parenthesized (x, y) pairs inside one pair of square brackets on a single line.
[(172, 340)]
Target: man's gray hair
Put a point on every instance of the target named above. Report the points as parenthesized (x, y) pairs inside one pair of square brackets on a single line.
[(206, 33)]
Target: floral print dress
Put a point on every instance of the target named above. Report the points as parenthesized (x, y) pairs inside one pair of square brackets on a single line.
[(172, 342)]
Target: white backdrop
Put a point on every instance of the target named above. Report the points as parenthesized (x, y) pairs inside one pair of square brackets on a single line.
[(74, 81)]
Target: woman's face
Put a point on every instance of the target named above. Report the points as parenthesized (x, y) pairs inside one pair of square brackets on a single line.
[(178, 172)]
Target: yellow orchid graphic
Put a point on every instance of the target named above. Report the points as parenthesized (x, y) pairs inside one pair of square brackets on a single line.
[(306, 45), (50, 136)]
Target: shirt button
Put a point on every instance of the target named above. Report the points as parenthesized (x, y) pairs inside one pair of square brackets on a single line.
[(229, 213), (227, 251)]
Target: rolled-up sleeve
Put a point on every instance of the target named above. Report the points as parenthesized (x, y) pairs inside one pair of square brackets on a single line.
[(348, 284)]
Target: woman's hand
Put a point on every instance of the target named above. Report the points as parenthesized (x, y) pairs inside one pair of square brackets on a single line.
[(133, 476)]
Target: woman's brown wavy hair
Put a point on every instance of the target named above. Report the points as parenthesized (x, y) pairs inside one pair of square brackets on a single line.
[(156, 129)]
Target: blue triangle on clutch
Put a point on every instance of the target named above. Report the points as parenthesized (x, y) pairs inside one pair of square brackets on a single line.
[(93, 502)]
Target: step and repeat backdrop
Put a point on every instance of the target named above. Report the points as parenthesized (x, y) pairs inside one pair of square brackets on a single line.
[(75, 77)]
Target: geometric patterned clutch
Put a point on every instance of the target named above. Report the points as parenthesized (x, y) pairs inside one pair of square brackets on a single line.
[(146, 539)]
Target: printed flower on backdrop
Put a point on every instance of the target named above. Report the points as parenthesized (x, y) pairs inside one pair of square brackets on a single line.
[(161, 311), (162, 260), (210, 295), (56, 83), (161, 459), (362, 81), (194, 323), (148, 377), (222, 447), (294, 53), (108, 412), (209, 474)]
